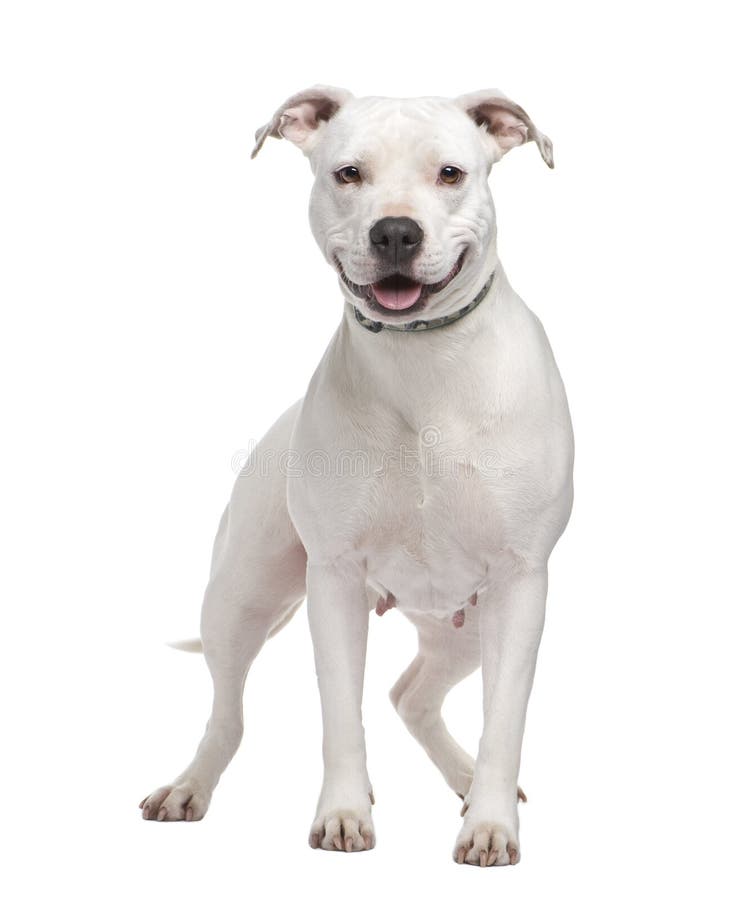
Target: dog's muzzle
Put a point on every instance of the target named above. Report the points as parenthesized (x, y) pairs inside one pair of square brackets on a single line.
[(397, 293), (425, 324)]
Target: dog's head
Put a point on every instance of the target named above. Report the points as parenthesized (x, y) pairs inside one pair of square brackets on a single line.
[(401, 205)]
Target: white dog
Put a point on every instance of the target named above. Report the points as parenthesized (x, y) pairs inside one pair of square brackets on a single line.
[(428, 467)]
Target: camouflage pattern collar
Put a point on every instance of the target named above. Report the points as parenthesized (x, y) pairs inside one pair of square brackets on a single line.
[(424, 324)]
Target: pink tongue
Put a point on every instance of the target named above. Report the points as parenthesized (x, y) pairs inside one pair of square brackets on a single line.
[(396, 297)]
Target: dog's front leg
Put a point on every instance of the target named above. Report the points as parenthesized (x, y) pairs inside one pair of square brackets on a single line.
[(511, 620), (338, 612)]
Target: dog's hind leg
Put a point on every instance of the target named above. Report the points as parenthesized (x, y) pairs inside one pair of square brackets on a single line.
[(257, 580), (446, 655)]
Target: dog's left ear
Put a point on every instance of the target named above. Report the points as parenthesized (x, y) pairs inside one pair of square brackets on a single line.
[(299, 118), (505, 122)]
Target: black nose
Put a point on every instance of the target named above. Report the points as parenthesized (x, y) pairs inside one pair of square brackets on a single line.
[(396, 239)]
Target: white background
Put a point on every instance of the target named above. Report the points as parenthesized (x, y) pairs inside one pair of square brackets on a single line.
[(163, 302)]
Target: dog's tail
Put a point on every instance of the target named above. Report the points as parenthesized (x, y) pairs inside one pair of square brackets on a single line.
[(193, 645)]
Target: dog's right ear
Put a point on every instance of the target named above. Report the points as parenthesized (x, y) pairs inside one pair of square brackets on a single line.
[(299, 119)]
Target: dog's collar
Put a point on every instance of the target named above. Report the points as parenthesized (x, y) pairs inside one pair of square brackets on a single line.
[(424, 324)]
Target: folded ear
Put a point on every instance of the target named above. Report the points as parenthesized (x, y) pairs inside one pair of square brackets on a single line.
[(505, 122), (298, 119)]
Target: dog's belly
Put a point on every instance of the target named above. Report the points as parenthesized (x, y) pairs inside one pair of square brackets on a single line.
[(425, 587), (431, 548)]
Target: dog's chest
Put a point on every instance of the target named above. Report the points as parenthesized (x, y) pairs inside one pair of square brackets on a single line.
[(432, 467), (427, 511)]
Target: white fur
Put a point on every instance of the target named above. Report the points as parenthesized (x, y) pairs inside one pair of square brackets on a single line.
[(435, 467)]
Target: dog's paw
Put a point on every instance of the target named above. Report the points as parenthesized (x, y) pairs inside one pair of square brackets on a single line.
[(342, 829), (486, 844), (184, 801)]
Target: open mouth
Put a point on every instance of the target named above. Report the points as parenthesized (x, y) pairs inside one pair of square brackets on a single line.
[(397, 293)]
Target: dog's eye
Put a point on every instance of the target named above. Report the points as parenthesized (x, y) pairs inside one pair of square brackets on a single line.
[(348, 175), (451, 175)]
